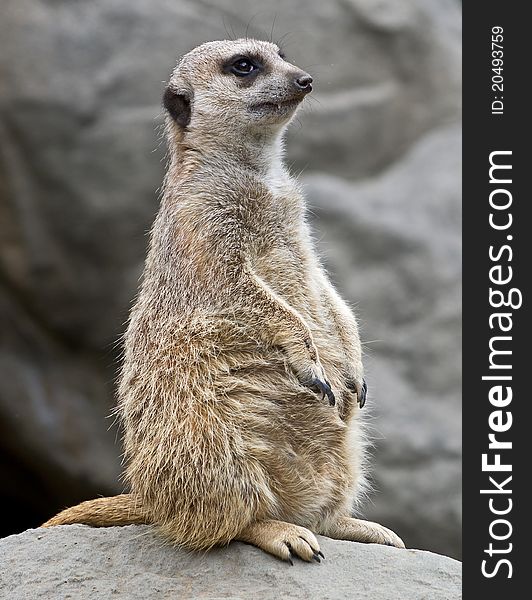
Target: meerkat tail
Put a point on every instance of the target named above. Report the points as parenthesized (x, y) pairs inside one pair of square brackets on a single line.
[(123, 509)]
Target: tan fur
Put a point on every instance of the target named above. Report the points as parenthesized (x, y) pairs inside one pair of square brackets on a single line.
[(102, 512), (224, 438)]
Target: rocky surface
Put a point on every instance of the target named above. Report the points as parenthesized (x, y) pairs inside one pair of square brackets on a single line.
[(131, 562), (80, 162)]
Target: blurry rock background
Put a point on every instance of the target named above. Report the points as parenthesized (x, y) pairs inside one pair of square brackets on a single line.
[(80, 163)]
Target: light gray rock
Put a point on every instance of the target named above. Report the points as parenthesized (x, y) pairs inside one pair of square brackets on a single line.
[(81, 563)]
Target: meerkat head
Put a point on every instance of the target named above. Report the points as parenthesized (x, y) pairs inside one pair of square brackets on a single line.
[(234, 89)]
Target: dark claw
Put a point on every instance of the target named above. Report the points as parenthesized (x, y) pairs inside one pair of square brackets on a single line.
[(316, 557), (320, 553), (289, 559), (330, 394), (324, 388), (361, 394)]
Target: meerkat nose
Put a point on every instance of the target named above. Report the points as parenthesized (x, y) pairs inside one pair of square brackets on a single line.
[(303, 82)]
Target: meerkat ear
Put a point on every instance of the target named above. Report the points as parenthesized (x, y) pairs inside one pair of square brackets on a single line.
[(177, 103)]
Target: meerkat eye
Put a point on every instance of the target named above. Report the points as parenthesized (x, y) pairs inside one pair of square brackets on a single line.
[(243, 67)]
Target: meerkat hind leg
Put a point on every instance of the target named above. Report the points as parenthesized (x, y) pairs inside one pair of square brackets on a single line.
[(358, 530), (282, 539)]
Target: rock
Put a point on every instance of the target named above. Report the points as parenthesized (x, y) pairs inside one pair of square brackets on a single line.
[(55, 433), (80, 163), (131, 562)]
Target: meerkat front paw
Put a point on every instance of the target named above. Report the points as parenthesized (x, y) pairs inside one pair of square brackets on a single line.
[(322, 388), (310, 373), (358, 530), (283, 540), (360, 388)]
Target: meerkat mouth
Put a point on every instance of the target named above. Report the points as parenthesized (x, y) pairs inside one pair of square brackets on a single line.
[(280, 106)]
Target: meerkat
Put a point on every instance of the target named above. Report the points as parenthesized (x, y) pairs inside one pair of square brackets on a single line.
[(242, 378)]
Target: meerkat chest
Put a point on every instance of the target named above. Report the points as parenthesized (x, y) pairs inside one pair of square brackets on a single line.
[(278, 183), (282, 251)]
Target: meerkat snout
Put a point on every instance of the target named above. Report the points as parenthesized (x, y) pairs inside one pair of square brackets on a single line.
[(304, 83)]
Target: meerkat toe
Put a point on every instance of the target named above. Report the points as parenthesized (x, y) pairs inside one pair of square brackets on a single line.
[(358, 388), (323, 388), (300, 547), (368, 532), (283, 540), (392, 539), (302, 543), (378, 534)]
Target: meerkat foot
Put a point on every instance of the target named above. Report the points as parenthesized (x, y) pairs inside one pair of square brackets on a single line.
[(357, 530), (283, 540)]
